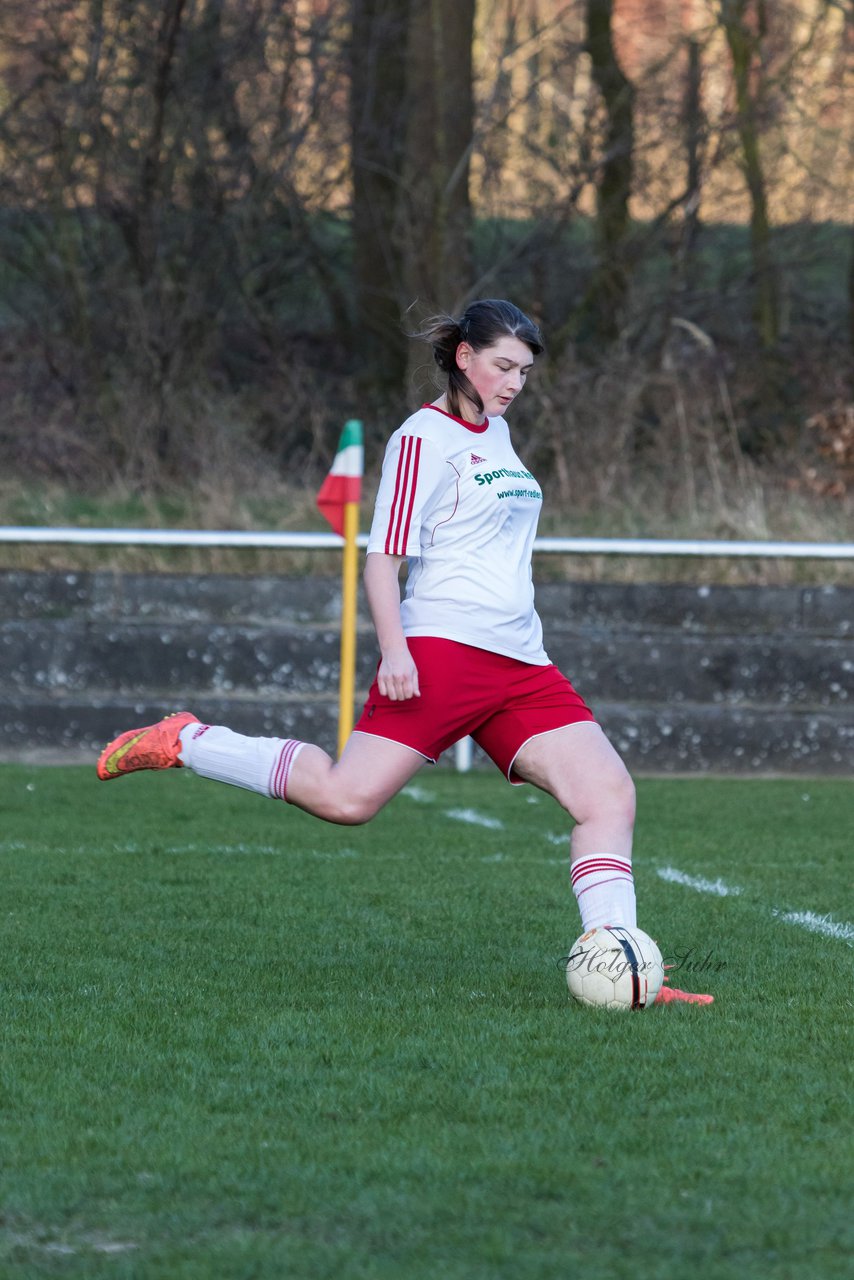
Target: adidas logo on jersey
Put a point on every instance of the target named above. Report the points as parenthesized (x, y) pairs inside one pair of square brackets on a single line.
[(475, 459)]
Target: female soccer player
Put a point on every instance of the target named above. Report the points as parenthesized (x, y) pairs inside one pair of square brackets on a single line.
[(463, 654)]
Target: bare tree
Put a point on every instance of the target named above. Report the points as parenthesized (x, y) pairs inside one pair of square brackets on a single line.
[(378, 91), (206, 198), (606, 296), (178, 159), (745, 24), (435, 214), (694, 130)]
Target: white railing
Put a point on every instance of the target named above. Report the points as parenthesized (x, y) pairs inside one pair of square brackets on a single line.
[(273, 540), (285, 541)]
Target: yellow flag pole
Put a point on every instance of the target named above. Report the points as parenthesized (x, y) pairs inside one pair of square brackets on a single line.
[(347, 685)]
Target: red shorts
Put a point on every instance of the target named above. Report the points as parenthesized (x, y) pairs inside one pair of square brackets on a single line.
[(501, 702)]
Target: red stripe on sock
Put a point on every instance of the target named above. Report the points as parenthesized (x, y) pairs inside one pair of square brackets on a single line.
[(579, 893), (279, 774), (589, 866)]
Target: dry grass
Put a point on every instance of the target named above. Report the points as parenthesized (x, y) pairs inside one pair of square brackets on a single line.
[(770, 511), (622, 448)]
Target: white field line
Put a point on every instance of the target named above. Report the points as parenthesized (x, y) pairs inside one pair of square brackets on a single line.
[(818, 924), (698, 883), (477, 819), (60, 1248), (133, 848), (417, 793), (830, 928), (219, 849)]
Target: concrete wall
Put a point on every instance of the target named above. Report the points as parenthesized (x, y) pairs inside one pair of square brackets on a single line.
[(729, 679)]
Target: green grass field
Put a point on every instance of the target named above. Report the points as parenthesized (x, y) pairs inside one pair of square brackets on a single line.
[(239, 1043)]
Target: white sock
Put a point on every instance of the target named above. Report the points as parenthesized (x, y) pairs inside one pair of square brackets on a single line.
[(257, 764), (605, 890)]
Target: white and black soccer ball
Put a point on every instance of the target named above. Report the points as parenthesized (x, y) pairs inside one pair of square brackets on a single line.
[(615, 968)]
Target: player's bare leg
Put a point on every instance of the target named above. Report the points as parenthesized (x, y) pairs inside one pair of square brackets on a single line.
[(351, 790), (578, 767)]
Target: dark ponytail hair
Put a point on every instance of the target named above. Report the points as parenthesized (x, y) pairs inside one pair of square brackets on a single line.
[(481, 324)]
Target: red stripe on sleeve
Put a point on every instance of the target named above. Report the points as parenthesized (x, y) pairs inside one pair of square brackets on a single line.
[(397, 480), (411, 496), (404, 494)]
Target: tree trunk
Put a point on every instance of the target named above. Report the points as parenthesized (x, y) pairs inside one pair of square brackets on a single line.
[(609, 288), (693, 119), (742, 46), (435, 215), (456, 125), (851, 293), (378, 132), (143, 237), (144, 243)]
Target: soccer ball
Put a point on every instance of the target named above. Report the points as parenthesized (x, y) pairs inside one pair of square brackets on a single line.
[(615, 968)]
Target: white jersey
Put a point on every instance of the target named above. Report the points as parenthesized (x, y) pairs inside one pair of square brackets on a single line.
[(459, 504)]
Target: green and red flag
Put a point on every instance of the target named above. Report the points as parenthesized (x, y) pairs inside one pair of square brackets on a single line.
[(344, 482)]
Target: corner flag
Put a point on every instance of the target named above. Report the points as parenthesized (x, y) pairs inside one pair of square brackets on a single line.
[(344, 482), (338, 500)]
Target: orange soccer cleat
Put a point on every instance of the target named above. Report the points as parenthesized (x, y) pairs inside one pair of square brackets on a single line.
[(156, 746), (669, 995)]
